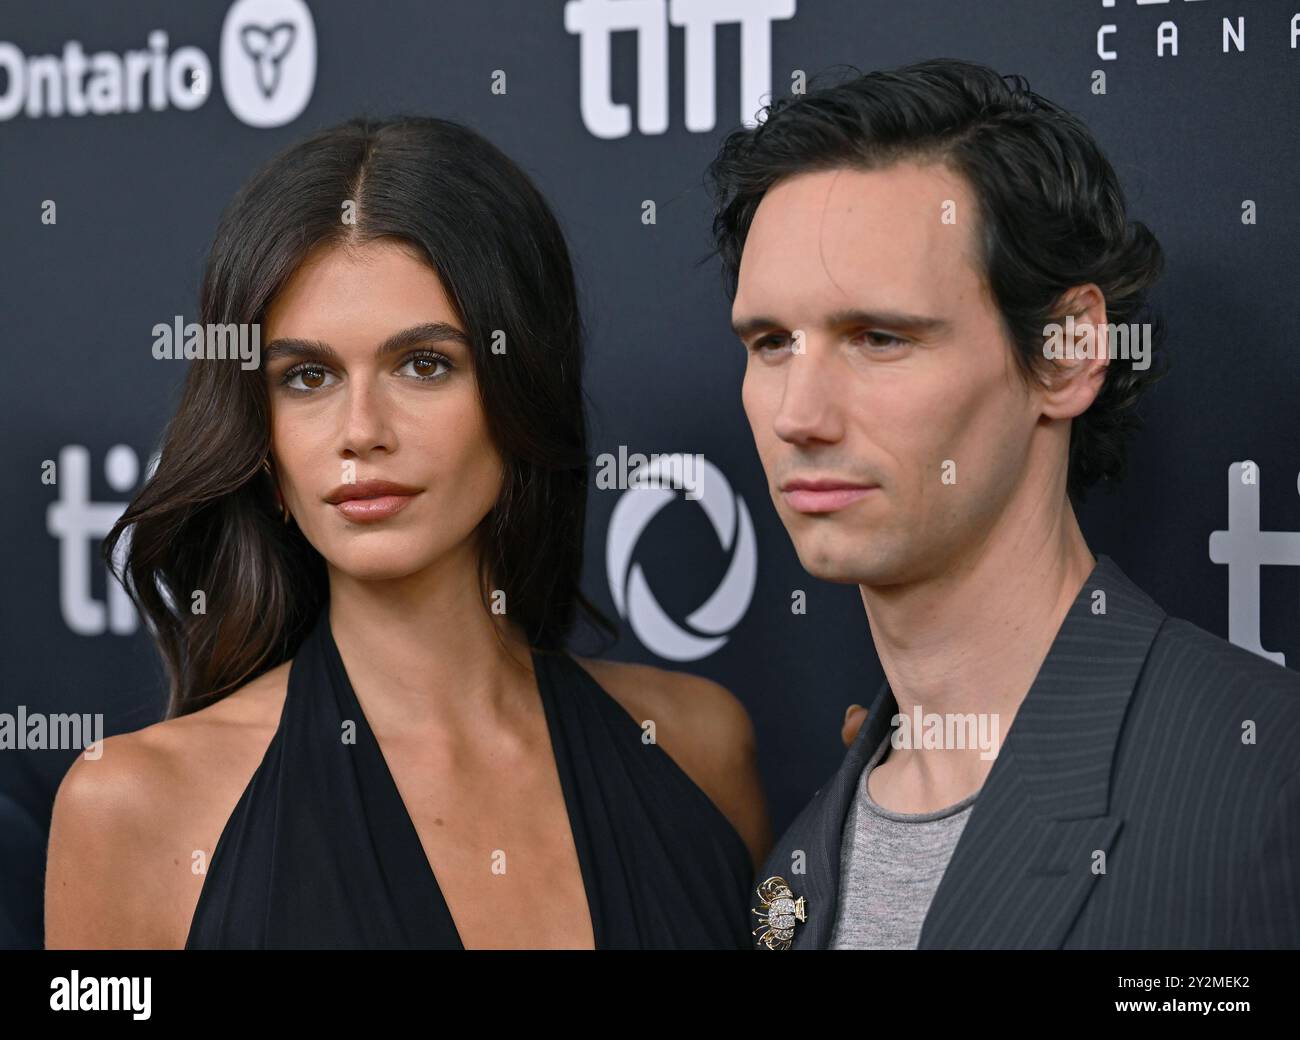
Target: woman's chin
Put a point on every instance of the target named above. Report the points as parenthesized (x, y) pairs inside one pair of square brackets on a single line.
[(385, 558)]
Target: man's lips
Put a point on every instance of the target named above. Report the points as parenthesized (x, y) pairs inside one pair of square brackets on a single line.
[(823, 495), (370, 500)]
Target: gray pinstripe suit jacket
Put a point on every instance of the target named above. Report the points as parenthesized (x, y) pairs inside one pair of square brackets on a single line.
[(1129, 741)]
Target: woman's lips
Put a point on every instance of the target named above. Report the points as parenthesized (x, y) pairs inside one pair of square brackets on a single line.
[(369, 510), (824, 500)]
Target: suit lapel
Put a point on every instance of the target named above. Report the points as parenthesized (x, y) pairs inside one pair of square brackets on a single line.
[(807, 856), (826, 826), (1025, 863)]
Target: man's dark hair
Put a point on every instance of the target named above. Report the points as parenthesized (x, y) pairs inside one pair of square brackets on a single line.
[(1051, 211)]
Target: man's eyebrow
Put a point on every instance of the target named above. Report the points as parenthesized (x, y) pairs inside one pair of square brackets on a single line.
[(889, 319), (745, 327), (429, 332)]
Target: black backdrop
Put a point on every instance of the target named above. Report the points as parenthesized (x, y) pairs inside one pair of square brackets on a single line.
[(1196, 135)]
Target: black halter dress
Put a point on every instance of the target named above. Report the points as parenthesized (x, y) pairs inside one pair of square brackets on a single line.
[(320, 851)]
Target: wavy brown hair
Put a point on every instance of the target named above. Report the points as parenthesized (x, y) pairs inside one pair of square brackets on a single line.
[(207, 519)]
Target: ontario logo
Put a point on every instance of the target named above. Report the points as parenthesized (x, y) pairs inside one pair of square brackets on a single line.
[(267, 62)]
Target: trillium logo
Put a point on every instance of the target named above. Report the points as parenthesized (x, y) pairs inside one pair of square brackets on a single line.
[(267, 51), (268, 60), (709, 624)]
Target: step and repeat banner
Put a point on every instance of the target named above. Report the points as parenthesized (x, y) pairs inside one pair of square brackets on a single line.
[(125, 129)]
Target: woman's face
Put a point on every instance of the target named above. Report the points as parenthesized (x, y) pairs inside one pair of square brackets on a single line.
[(370, 378)]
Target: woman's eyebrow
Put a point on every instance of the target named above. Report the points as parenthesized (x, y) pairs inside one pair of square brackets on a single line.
[(316, 350)]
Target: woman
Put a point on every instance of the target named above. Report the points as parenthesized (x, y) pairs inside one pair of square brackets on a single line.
[(360, 562)]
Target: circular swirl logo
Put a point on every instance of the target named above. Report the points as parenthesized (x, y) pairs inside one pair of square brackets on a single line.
[(707, 626)]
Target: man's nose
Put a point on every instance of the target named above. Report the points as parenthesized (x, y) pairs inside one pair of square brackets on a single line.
[(810, 407)]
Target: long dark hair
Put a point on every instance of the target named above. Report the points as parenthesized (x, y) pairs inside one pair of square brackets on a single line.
[(1052, 213), (207, 519)]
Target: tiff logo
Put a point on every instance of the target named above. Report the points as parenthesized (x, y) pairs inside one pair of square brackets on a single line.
[(1245, 548), (594, 20), (79, 525)]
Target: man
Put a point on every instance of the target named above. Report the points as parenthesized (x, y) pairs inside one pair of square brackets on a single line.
[(931, 269)]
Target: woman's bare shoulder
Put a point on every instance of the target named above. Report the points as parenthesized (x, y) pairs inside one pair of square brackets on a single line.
[(672, 698), (130, 816), (132, 771), (705, 728)]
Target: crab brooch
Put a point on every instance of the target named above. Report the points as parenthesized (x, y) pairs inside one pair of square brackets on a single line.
[(778, 911)]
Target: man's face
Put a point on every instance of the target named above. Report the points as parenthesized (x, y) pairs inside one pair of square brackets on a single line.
[(876, 358)]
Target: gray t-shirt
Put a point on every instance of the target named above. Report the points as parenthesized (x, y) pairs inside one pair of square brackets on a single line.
[(890, 866)]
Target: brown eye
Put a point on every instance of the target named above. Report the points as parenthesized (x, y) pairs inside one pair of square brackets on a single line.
[(305, 378), (425, 367)]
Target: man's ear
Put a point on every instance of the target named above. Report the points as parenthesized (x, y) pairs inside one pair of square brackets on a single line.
[(1077, 347)]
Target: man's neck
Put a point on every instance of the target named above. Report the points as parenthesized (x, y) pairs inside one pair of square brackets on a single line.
[(971, 641)]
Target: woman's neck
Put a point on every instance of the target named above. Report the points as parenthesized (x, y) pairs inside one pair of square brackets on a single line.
[(425, 650)]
